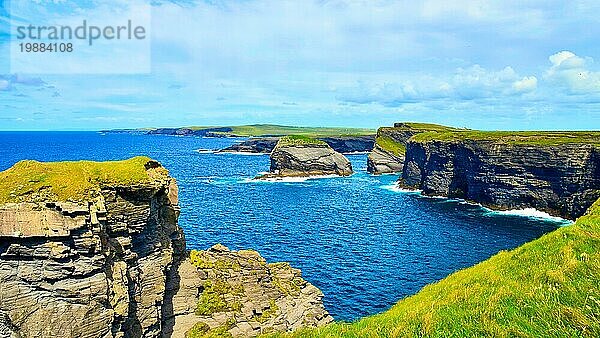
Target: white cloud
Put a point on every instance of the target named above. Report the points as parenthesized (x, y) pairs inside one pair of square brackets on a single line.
[(525, 85), (4, 85), (571, 72)]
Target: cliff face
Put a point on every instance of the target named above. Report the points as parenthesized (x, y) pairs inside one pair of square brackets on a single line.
[(341, 144), (302, 159), (388, 152), (561, 179), (90, 269), (109, 260)]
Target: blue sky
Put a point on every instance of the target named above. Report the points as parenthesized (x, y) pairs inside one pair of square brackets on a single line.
[(364, 63)]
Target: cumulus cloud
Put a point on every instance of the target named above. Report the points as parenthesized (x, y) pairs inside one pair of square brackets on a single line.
[(571, 72), (525, 85), (470, 83), (4, 85)]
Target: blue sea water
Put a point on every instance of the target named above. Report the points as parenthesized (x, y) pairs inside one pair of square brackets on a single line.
[(364, 245)]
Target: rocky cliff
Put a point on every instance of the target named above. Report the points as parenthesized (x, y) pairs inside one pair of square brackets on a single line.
[(238, 292), (341, 144), (92, 249), (298, 156), (92, 267), (558, 173), (388, 152)]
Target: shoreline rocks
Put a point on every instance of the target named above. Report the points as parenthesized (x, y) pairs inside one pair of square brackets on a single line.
[(341, 144), (240, 293), (304, 157), (562, 180), (116, 265)]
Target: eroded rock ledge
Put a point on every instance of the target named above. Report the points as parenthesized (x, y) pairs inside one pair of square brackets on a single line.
[(110, 260), (238, 293), (298, 156)]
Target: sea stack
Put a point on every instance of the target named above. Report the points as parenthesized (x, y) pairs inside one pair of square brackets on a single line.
[(301, 156)]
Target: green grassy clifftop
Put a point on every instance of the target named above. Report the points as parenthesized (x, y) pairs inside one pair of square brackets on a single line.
[(75, 181), (545, 288), (542, 138)]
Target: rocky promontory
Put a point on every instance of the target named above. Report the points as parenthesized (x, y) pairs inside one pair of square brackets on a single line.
[(300, 156), (341, 144), (93, 249), (555, 172), (388, 152)]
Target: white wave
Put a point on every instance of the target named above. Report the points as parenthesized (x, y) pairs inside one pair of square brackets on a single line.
[(530, 213), (395, 188), (356, 153), (206, 151), (297, 179)]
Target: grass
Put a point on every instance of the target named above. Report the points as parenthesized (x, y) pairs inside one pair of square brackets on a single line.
[(295, 140), (279, 130), (390, 145), (69, 181), (425, 127), (548, 287), (542, 138)]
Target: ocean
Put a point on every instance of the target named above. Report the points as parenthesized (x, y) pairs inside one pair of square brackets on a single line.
[(363, 242)]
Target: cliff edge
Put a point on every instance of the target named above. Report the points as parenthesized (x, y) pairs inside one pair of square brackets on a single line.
[(387, 156), (555, 172), (93, 249)]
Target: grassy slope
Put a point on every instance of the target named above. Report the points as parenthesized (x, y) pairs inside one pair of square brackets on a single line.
[(392, 146), (272, 129), (516, 137), (546, 288), (68, 180)]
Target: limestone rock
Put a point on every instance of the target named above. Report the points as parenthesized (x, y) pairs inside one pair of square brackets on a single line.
[(562, 180), (341, 144), (239, 292), (305, 159), (90, 269), (380, 161)]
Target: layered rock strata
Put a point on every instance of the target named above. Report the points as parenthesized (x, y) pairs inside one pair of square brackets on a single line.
[(238, 293), (387, 156), (304, 159), (341, 144), (90, 269), (114, 264), (560, 179)]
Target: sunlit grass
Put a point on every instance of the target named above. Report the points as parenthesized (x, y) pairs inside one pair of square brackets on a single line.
[(62, 181), (546, 288)]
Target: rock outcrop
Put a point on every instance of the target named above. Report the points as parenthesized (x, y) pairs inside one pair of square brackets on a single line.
[(94, 268), (350, 144), (341, 144), (238, 292), (387, 156), (110, 260), (508, 172), (255, 145), (304, 157)]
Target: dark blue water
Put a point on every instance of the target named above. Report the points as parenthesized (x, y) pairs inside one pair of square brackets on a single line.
[(363, 245)]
